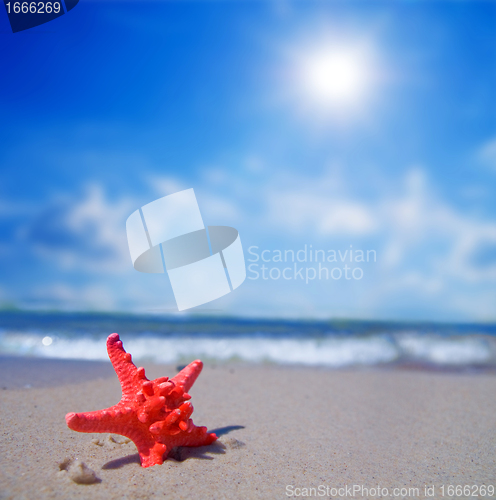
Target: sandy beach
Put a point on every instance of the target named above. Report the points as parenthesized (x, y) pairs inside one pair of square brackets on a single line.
[(280, 429)]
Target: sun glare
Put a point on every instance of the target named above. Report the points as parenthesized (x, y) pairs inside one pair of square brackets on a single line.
[(335, 78)]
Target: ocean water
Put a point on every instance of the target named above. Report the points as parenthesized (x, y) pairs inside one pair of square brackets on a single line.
[(173, 339)]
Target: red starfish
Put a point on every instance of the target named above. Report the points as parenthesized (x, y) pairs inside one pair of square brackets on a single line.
[(155, 414)]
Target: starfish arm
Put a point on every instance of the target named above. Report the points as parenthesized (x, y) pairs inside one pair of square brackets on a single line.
[(130, 377), (187, 376), (197, 436), (112, 419), (118, 420), (153, 455), (204, 439)]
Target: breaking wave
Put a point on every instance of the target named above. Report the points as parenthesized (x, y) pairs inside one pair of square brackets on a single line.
[(336, 345)]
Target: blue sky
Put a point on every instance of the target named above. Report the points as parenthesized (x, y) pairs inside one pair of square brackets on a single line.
[(119, 103)]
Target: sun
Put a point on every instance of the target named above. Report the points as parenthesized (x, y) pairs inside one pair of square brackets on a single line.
[(334, 78)]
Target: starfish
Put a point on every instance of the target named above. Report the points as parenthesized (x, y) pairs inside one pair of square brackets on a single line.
[(154, 414)]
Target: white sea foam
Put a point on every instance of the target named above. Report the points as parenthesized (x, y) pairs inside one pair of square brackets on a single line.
[(332, 351), (445, 351)]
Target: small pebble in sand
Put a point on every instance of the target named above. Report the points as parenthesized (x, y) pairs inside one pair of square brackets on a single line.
[(64, 465), (97, 442), (80, 473), (233, 443), (118, 440)]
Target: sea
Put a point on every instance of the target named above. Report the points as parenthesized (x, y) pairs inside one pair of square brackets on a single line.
[(179, 339)]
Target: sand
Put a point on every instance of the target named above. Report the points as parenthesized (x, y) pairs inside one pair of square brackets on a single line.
[(280, 429)]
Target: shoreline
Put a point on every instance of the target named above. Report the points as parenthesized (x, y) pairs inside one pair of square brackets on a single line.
[(26, 372)]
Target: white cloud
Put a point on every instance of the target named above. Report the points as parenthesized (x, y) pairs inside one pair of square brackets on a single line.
[(427, 248), (164, 185), (431, 256), (81, 234), (487, 153), (215, 176), (306, 213), (414, 228), (96, 296), (217, 211)]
